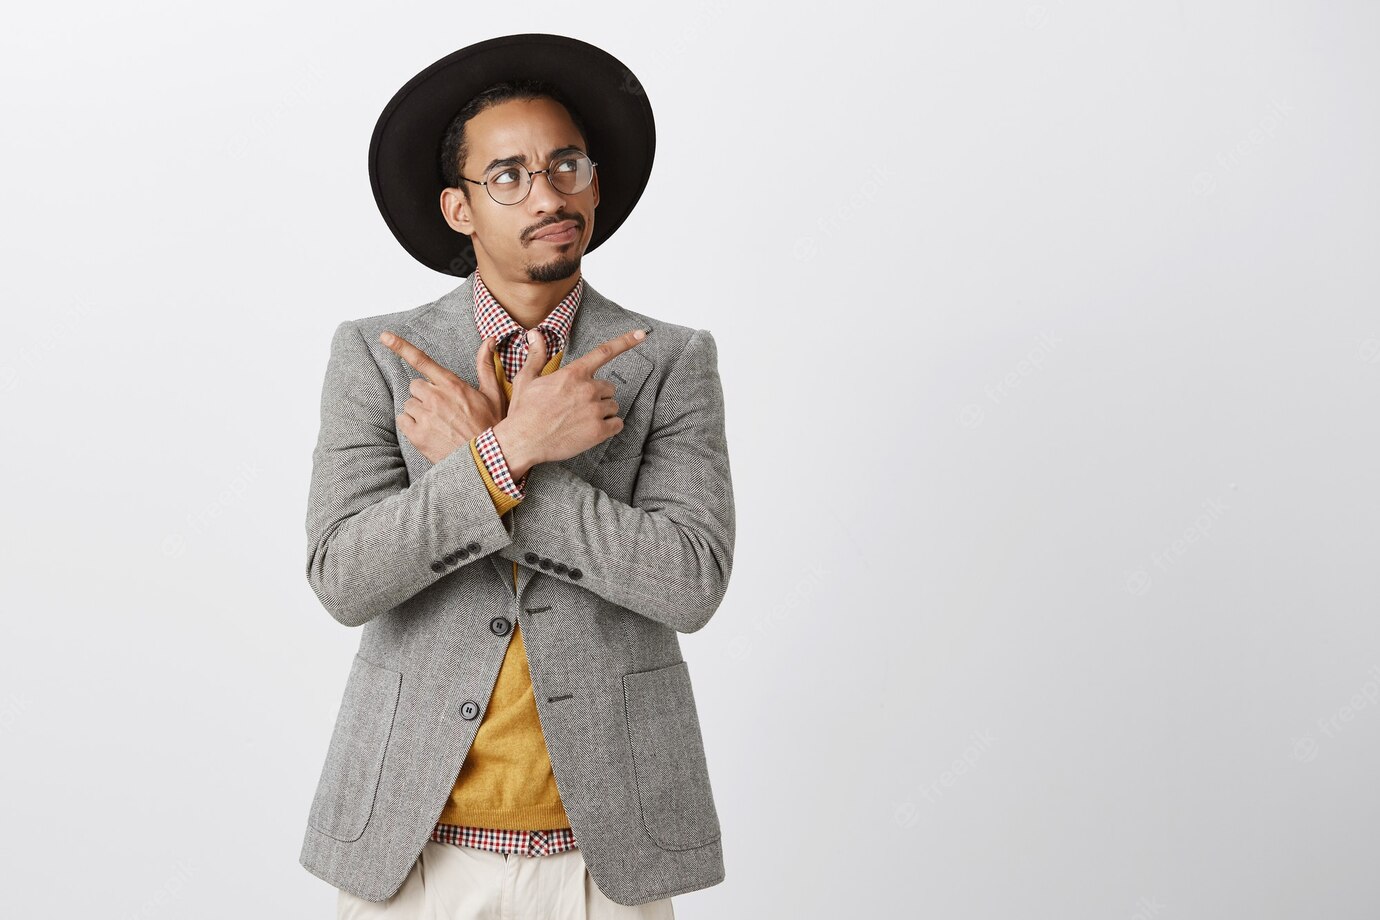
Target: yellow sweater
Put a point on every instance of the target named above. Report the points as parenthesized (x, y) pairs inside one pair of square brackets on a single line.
[(506, 781)]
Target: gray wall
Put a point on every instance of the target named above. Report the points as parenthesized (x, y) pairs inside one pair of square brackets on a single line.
[(1051, 351)]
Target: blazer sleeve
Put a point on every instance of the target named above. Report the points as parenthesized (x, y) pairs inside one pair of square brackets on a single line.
[(374, 539), (667, 555)]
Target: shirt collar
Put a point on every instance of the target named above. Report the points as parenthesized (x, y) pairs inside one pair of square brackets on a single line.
[(491, 319)]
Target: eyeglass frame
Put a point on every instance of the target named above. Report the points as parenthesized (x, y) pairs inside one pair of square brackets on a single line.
[(531, 175)]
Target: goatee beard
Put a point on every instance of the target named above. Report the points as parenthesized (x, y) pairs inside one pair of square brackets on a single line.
[(558, 269)]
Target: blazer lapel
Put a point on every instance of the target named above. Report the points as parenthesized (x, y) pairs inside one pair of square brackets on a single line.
[(447, 333)]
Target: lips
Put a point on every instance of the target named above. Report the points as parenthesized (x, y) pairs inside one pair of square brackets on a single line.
[(563, 232)]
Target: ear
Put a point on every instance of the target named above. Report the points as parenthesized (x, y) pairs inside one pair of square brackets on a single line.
[(456, 210), (596, 188)]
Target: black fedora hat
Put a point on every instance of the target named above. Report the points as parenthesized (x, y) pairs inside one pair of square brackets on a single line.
[(405, 152)]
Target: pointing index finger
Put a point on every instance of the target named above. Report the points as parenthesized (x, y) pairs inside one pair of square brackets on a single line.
[(600, 355), (414, 356)]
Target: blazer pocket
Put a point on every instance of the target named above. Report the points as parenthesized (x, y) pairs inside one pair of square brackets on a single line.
[(349, 780), (669, 765)]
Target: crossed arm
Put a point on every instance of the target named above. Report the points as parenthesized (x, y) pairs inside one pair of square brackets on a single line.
[(375, 540)]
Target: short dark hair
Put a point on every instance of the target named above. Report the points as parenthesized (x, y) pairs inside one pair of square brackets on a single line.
[(455, 146)]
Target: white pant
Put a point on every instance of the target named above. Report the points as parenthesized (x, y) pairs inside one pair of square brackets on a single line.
[(450, 882)]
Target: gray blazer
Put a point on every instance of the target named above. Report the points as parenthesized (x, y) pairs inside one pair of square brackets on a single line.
[(619, 549)]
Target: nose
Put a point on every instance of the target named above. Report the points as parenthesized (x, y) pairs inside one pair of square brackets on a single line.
[(543, 195)]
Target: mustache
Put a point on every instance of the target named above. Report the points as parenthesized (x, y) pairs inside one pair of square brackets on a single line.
[(579, 224)]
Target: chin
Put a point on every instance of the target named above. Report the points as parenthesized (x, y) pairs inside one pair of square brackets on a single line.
[(557, 268)]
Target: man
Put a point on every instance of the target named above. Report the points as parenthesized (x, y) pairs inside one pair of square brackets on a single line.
[(521, 492)]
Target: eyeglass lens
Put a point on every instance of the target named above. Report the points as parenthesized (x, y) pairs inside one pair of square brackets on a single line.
[(569, 173)]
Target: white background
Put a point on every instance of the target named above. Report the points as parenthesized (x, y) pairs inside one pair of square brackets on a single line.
[(1050, 344)]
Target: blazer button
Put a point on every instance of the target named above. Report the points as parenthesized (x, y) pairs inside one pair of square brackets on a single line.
[(529, 557), (561, 568), (438, 566), (575, 574), (500, 626), (449, 559), (545, 563), (462, 553), (472, 546), (469, 709)]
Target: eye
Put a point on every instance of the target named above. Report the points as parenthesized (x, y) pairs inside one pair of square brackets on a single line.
[(567, 166), (504, 177)]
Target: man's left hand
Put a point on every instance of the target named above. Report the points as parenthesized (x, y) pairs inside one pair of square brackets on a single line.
[(445, 412)]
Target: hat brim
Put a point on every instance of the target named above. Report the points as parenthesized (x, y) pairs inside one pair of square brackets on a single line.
[(405, 151)]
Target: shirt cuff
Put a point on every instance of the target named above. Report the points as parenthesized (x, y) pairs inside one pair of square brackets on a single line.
[(494, 462), (503, 502)]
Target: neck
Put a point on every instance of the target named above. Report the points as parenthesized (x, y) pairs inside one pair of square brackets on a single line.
[(528, 302)]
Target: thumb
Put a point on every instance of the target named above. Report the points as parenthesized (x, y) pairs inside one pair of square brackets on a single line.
[(536, 357), (485, 372)]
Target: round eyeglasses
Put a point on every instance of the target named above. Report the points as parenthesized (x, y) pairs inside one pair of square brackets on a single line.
[(568, 174)]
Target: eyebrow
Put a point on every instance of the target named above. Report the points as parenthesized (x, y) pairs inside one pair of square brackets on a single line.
[(522, 158)]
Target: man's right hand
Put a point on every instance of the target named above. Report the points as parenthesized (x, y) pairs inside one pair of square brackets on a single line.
[(563, 413), (444, 412)]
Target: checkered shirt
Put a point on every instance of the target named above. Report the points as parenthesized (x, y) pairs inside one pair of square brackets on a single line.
[(523, 843)]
